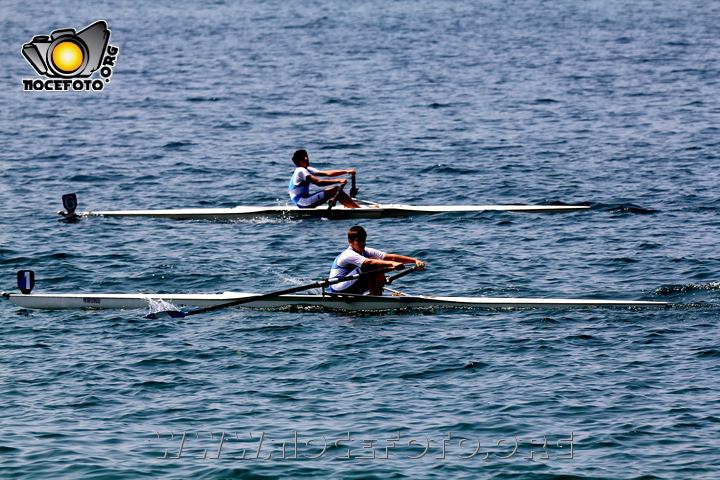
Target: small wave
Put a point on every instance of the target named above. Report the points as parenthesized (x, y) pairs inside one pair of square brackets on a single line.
[(686, 288), (626, 208), (233, 126), (180, 144), (90, 401), (446, 169), (433, 373), (475, 365), (17, 261), (693, 305), (90, 178), (341, 146), (693, 295), (344, 102), (712, 353), (150, 384)]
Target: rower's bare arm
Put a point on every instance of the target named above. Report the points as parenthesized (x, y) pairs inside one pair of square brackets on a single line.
[(335, 173), (403, 259), (374, 263), (319, 182)]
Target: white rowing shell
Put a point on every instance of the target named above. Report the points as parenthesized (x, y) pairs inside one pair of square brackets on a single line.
[(338, 212), (341, 302)]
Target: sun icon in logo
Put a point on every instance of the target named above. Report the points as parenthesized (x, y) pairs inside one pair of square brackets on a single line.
[(67, 56)]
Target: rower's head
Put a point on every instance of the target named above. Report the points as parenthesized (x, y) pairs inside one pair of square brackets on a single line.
[(300, 156), (357, 237)]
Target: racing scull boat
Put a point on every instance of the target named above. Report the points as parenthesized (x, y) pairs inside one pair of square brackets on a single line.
[(371, 211), (56, 301), (286, 298)]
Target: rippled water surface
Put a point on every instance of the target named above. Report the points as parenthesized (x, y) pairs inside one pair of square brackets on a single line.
[(614, 105)]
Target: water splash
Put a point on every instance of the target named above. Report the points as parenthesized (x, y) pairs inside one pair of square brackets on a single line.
[(160, 305)]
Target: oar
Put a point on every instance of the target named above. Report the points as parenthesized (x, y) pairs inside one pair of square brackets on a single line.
[(254, 298), (333, 201), (389, 280)]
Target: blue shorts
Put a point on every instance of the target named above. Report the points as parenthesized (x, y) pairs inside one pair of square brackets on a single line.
[(310, 201), (358, 287)]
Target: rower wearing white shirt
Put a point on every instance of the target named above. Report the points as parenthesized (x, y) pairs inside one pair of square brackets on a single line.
[(304, 175), (359, 258)]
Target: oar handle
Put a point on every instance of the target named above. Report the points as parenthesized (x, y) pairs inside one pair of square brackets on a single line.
[(254, 298), (353, 189)]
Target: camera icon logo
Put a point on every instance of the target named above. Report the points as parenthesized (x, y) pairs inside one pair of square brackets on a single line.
[(68, 54)]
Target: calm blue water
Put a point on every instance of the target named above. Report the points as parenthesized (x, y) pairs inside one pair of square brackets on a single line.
[(612, 104)]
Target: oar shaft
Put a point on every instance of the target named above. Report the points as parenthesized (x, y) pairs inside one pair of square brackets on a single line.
[(333, 201)]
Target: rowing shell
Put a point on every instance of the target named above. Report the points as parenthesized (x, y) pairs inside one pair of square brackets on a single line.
[(330, 301), (339, 212)]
